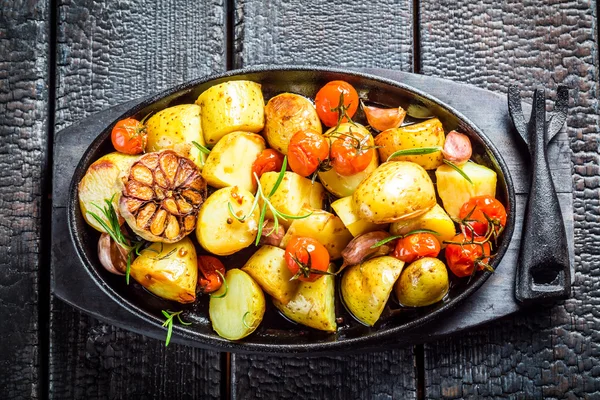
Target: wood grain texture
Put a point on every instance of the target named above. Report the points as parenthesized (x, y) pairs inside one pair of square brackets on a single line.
[(545, 352), (108, 53), (324, 32), (24, 50)]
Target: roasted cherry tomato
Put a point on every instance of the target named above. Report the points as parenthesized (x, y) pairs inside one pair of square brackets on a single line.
[(384, 118), (351, 154), (462, 257), (472, 214), (412, 247), (129, 136), (268, 161), (306, 258), (328, 104), (306, 151), (209, 268)]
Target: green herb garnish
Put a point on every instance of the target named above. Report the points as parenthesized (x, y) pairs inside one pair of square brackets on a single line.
[(459, 170), (414, 152), (169, 315), (391, 238)]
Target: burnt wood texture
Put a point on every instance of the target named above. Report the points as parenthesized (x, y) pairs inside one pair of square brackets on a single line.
[(543, 352), (24, 60), (109, 53)]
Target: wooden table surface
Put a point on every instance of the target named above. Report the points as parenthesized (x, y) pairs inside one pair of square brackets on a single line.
[(61, 60)]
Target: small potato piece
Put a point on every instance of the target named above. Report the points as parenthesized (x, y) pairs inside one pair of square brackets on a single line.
[(230, 161), (231, 106), (454, 190), (293, 194), (238, 313), (395, 191), (286, 114), (343, 186), (366, 287), (324, 227), (313, 304), (218, 231), (356, 226), (428, 133), (435, 219), (422, 283), (268, 268), (175, 128), (169, 270), (101, 182)]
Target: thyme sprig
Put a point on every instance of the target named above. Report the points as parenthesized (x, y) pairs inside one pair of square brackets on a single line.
[(170, 317), (391, 238)]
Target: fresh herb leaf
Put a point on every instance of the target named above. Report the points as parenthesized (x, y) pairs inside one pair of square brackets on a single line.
[(414, 152), (459, 170), (203, 149), (224, 283), (170, 315)]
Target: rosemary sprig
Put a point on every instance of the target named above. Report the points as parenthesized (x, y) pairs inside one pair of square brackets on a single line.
[(244, 320), (170, 315), (224, 283), (203, 149), (459, 170), (414, 152), (391, 238)]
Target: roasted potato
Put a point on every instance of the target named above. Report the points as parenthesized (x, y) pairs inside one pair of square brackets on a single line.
[(344, 209), (422, 283), (293, 194), (229, 107), (175, 128), (286, 114), (428, 133), (323, 226), (435, 219), (454, 190), (230, 161), (395, 191), (366, 287), (313, 304), (343, 186), (268, 268), (221, 233), (169, 270), (101, 182), (241, 309)]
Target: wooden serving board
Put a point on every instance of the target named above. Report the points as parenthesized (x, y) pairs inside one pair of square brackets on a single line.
[(488, 110)]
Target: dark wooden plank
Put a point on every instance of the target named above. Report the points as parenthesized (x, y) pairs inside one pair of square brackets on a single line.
[(24, 59), (543, 352), (108, 53)]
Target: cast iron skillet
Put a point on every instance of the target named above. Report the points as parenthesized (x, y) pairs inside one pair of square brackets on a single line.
[(277, 335)]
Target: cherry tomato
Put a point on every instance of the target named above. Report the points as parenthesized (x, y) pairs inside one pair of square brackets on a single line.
[(304, 256), (350, 154), (268, 161), (210, 280), (129, 136), (384, 118), (462, 258), (475, 209), (327, 102), (307, 149), (418, 245)]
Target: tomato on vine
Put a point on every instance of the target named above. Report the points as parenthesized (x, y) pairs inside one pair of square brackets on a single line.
[(306, 258), (129, 136), (350, 153), (464, 253), (474, 212), (336, 102), (413, 247), (306, 151)]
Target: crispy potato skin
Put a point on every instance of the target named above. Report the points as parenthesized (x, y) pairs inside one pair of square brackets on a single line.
[(435, 219), (286, 114), (168, 270), (345, 210), (428, 133), (395, 191), (238, 313), (366, 287), (229, 107), (422, 283)]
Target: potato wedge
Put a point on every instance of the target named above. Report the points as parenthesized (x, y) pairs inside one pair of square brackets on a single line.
[(422, 283), (286, 114), (343, 186), (231, 106), (454, 190), (366, 287), (323, 226), (169, 270), (230, 161), (240, 311), (175, 128), (395, 191), (435, 219), (218, 231), (344, 209), (101, 182), (313, 304), (429, 133), (268, 268)]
